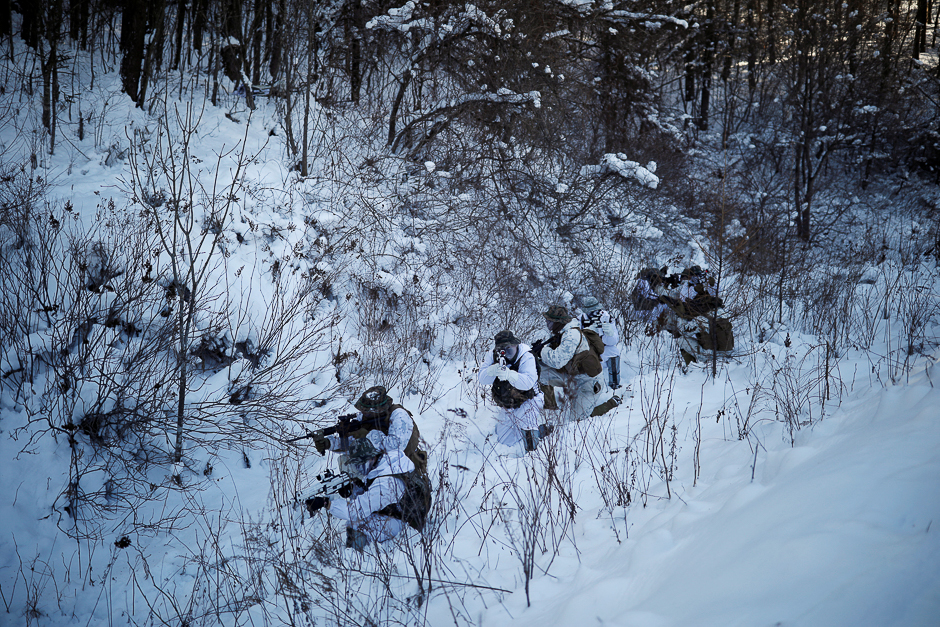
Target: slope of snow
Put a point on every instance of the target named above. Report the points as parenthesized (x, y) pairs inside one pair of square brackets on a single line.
[(841, 526)]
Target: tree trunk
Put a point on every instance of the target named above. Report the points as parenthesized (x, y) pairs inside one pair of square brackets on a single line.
[(277, 41), (920, 28), (256, 41), (133, 31), (182, 359), (732, 35), (31, 27), (154, 57), (200, 7), (354, 50), (78, 22), (312, 67), (50, 69), (771, 33), (214, 70), (396, 105), (751, 49), (936, 25), (891, 33), (708, 55), (232, 45), (47, 64), (180, 29)]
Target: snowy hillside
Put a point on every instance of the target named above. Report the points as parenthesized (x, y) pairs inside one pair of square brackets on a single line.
[(793, 482)]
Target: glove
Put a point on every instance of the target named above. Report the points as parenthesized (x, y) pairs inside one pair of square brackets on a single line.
[(316, 504), (493, 370), (507, 374), (322, 444), (359, 433), (609, 329), (537, 348)]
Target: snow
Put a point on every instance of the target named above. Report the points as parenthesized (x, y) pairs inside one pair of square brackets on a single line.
[(832, 523), (619, 164)]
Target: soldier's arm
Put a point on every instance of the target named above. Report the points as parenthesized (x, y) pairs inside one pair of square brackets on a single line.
[(487, 377), (558, 357), (383, 492), (400, 428)]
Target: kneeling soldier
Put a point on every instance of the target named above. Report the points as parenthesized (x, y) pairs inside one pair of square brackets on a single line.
[(511, 371), (389, 485)]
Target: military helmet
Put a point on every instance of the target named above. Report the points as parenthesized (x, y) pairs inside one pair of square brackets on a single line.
[(557, 313), (589, 304), (506, 338), (375, 400), (692, 271)]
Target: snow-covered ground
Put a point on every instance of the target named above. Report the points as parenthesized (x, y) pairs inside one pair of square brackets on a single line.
[(739, 513)]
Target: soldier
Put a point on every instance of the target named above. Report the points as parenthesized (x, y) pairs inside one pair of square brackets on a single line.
[(600, 320), (648, 297), (571, 359), (391, 487), (698, 294), (386, 425), (511, 371)]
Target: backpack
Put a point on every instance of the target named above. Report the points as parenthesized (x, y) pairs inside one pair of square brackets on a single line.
[(415, 503), (722, 332), (587, 361)]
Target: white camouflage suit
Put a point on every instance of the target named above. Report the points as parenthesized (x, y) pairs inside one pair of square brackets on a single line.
[(588, 392), (510, 423), (359, 510)]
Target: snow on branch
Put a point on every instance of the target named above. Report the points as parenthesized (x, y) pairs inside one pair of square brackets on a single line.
[(650, 21), (396, 19), (503, 96), (618, 164), (647, 20), (403, 19)]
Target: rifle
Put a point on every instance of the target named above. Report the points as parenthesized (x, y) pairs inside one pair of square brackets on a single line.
[(346, 425), (537, 347), (334, 483), (553, 342)]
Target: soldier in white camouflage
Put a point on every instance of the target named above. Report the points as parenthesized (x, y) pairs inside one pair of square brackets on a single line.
[(392, 488), (511, 373), (562, 362), (594, 316)]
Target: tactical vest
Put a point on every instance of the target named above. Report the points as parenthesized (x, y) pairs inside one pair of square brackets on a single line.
[(504, 394)]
